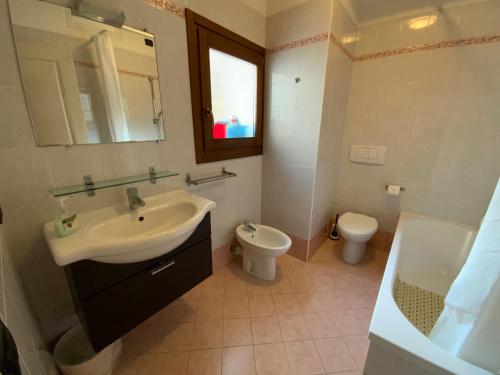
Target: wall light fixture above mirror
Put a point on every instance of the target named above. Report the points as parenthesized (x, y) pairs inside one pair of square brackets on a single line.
[(86, 82)]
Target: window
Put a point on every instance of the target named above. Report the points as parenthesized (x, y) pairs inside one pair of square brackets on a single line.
[(88, 115), (227, 86)]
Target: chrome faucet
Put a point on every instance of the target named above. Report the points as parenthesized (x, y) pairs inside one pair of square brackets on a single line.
[(134, 201), (249, 226)]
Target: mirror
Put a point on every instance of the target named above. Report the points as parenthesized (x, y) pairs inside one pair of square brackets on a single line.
[(86, 82)]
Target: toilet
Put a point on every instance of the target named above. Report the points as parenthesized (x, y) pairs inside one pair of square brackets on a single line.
[(261, 246), (357, 230)]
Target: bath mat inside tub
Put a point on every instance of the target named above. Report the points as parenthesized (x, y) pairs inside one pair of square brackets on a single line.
[(420, 306)]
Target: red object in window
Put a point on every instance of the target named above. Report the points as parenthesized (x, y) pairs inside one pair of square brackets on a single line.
[(219, 130)]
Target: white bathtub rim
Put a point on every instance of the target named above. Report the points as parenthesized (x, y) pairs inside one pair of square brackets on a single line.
[(430, 218), (390, 326)]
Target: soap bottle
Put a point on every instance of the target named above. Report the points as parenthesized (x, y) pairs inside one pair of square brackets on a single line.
[(65, 222)]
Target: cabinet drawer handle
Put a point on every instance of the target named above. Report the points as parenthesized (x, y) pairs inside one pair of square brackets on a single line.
[(163, 267)]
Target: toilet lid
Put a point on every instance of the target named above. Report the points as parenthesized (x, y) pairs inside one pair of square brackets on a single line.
[(358, 224)]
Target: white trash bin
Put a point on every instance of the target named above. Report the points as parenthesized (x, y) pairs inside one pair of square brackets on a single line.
[(75, 356)]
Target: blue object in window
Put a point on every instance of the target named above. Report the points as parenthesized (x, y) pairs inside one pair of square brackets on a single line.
[(238, 131)]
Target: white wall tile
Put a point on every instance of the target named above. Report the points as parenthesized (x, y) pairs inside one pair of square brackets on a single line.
[(32, 171), (333, 113), (434, 113), (17, 316), (293, 122)]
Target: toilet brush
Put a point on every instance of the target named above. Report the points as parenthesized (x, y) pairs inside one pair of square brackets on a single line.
[(334, 234)]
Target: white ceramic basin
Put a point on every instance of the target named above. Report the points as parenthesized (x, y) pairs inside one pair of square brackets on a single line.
[(266, 241), (119, 235)]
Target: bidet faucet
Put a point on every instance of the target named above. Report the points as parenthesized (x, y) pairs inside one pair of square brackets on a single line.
[(134, 201), (249, 226)]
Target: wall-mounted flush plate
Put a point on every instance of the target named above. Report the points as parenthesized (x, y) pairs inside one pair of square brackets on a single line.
[(367, 154)]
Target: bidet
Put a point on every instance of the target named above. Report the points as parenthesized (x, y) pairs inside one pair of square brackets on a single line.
[(261, 247)]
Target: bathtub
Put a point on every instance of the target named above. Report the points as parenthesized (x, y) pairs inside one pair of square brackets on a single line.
[(427, 253)]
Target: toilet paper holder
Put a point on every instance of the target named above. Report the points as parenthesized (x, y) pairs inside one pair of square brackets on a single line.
[(400, 188)]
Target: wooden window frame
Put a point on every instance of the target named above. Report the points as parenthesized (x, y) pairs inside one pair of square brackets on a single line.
[(203, 34)]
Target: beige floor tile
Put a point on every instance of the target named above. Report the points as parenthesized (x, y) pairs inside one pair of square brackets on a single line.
[(210, 309), (205, 362), (364, 314), (322, 325), (303, 358), (135, 365), (367, 279), (286, 304), (298, 295), (355, 298), (320, 281), (171, 364), (334, 355), (176, 337), (348, 325), (259, 290), (265, 330), (212, 292), (235, 288), (237, 332), (370, 295), (181, 310), (294, 327), (271, 359), (213, 287), (238, 360), (302, 283), (194, 293), (207, 334), (282, 286), (341, 281), (320, 267), (236, 308), (324, 253), (358, 347), (334, 300), (144, 339), (261, 305), (311, 302)]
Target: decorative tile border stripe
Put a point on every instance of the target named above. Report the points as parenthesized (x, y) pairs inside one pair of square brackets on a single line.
[(387, 53), (299, 43), (87, 64), (168, 6), (341, 47), (429, 47)]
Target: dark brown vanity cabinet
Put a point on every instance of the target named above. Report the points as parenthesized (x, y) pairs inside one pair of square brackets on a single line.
[(111, 299)]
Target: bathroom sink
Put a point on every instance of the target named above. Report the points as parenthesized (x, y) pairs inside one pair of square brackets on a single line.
[(118, 235), (154, 220)]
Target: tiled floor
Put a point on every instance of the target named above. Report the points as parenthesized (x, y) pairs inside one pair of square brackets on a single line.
[(313, 319)]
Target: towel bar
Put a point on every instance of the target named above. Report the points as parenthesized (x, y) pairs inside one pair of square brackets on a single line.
[(199, 181)]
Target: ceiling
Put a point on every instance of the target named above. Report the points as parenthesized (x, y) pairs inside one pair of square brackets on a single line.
[(363, 11), (370, 10)]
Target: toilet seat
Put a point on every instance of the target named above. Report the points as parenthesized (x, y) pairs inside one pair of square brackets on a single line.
[(357, 225), (357, 230)]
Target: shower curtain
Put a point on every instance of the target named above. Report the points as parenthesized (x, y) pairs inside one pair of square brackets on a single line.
[(110, 83), (469, 325)]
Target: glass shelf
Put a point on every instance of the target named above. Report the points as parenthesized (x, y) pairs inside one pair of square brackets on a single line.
[(60, 192)]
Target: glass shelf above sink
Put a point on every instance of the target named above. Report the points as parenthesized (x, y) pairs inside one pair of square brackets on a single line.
[(90, 187)]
